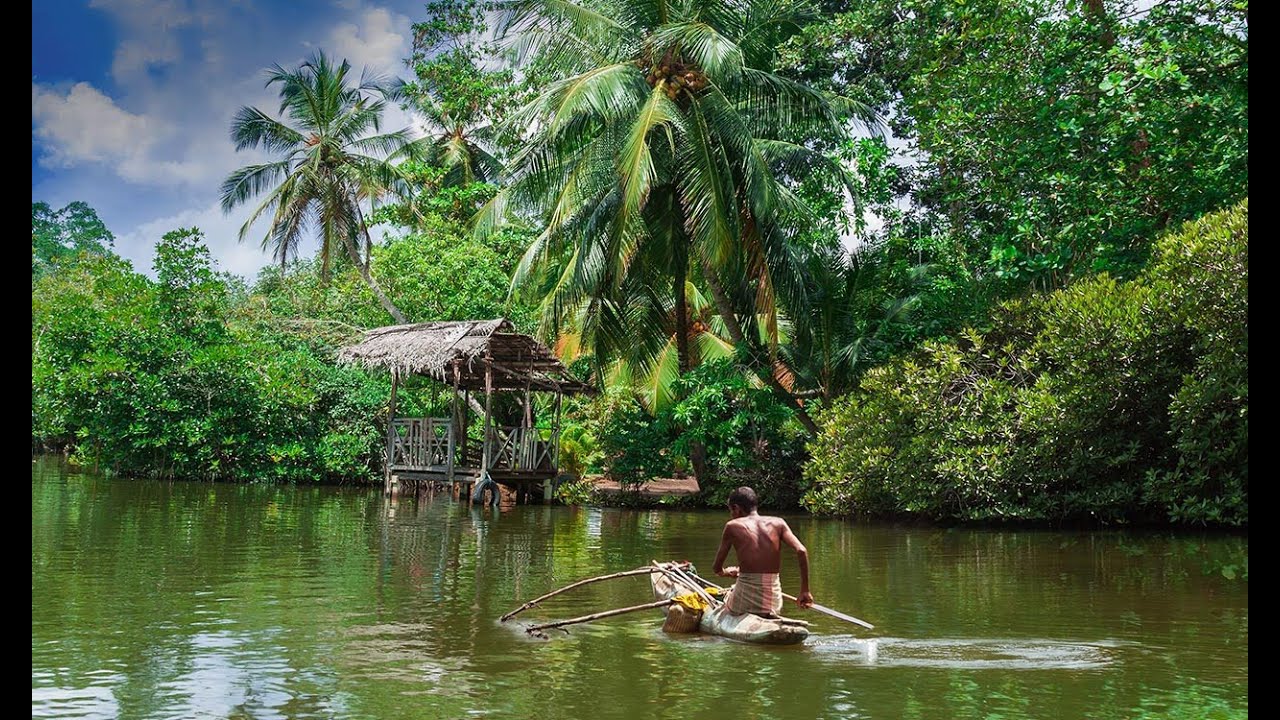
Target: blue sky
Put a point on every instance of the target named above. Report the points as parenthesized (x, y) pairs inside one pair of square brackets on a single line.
[(131, 102)]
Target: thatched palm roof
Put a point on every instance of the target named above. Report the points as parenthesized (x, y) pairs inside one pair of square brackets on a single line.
[(467, 348)]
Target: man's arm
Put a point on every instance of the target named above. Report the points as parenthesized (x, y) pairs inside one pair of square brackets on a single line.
[(726, 542), (805, 599)]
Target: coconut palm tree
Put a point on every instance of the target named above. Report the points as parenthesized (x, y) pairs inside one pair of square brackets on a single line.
[(331, 159), (455, 93), (846, 321), (663, 152)]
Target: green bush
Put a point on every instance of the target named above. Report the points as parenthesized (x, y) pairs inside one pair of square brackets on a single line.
[(750, 437), (1107, 401), (184, 377)]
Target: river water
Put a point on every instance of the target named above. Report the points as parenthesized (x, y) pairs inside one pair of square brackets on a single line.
[(194, 600)]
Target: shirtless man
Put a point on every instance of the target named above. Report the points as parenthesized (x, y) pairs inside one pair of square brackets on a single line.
[(757, 540)]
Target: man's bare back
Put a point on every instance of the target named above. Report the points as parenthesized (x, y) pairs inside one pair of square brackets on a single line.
[(757, 541)]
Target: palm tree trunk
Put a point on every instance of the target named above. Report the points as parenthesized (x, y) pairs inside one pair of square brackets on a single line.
[(365, 273), (739, 338), (697, 450), (682, 315)]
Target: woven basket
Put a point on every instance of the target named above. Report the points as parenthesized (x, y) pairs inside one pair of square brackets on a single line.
[(681, 619)]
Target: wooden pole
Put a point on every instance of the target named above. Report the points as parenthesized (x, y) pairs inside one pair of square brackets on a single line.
[(485, 442), (555, 435), (454, 424), (596, 616), (466, 426), (391, 433), (820, 608), (580, 583)]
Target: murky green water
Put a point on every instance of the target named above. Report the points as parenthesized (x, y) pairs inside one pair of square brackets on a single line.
[(154, 600)]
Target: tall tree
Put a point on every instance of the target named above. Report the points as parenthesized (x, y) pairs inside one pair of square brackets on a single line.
[(1052, 138), (663, 152), (455, 93), (332, 159), (56, 234)]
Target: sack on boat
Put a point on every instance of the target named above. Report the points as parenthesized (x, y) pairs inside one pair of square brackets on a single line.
[(684, 614)]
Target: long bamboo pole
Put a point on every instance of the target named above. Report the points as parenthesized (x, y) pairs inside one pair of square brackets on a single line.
[(596, 616), (580, 583), (820, 608), (682, 578)]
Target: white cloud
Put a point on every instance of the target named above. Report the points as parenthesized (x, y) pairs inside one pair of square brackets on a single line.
[(377, 39), (150, 149), (221, 233), (83, 125)]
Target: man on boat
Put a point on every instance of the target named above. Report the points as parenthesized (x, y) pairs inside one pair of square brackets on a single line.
[(757, 541)]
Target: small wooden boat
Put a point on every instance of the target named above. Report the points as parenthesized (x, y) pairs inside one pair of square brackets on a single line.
[(716, 620)]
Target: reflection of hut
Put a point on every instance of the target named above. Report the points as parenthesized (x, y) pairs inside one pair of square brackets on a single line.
[(472, 357)]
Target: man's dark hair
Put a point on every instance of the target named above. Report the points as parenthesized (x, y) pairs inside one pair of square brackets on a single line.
[(745, 498)]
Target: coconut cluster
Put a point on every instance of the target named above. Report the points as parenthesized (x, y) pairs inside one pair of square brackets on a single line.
[(677, 77)]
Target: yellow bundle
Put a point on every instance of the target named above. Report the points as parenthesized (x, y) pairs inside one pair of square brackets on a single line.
[(692, 601), (685, 613)]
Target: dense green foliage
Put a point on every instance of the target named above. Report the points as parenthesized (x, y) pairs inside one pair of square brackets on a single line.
[(686, 202), (751, 437), (195, 375), (172, 378), (1050, 138), (59, 234), (1109, 400)]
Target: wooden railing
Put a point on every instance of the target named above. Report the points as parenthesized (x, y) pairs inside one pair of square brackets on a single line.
[(522, 448), (421, 442)]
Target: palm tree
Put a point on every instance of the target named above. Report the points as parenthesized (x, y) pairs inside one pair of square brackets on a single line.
[(329, 163), (845, 321), (457, 140), (651, 372), (663, 153), (455, 93)]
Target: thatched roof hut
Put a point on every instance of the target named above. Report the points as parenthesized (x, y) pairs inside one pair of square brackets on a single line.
[(459, 353)]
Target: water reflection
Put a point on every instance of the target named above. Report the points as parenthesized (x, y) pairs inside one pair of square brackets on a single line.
[(154, 600)]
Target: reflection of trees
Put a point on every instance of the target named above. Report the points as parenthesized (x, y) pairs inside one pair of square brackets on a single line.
[(325, 601)]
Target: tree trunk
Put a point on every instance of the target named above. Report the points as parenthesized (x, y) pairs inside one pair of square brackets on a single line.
[(367, 274), (763, 369), (697, 450), (1096, 10)]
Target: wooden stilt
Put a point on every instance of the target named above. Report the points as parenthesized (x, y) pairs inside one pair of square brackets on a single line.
[(454, 423), (391, 434), (486, 456)]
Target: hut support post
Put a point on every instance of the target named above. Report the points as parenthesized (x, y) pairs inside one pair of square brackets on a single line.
[(485, 453), (454, 424), (391, 433), (466, 425), (548, 489)]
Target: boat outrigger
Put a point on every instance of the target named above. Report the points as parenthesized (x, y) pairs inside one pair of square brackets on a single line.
[(691, 604)]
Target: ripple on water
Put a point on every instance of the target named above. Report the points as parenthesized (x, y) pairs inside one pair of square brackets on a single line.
[(967, 653), (95, 701)]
